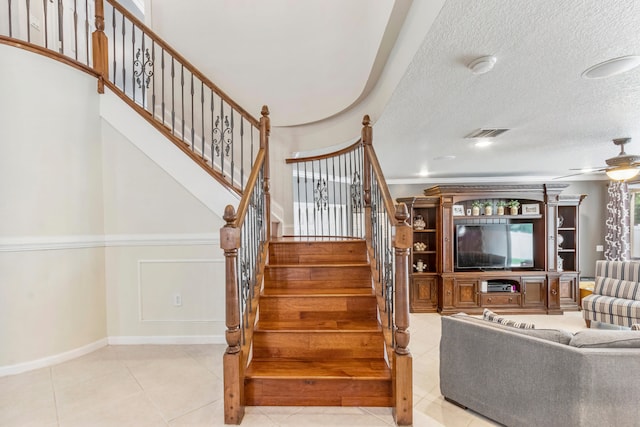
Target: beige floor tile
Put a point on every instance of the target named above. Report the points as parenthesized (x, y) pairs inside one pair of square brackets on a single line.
[(27, 399), (132, 355), (131, 411), (178, 399), (95, 392), (83, 369), (174, 370), (444, 412)]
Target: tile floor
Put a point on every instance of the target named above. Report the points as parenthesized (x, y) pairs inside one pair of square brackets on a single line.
[(181, 385)]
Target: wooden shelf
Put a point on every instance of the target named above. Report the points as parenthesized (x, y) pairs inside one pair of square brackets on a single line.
[(424, 252), (537, 216), (426, 230)]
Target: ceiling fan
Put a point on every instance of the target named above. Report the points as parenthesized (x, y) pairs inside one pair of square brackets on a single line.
[(619, 168)]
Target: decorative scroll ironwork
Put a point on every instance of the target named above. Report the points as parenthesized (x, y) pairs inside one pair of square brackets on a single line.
[(320, 195), (143, 68), (222, 137), (356, 191)]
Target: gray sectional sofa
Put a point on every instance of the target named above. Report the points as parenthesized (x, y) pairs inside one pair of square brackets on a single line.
[(532, 377)]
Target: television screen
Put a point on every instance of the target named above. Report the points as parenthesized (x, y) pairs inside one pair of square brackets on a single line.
[(494, 246)]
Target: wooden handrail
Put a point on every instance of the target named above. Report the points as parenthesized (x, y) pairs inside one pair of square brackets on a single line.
[(158, 40), (389, 204), (326, 155)]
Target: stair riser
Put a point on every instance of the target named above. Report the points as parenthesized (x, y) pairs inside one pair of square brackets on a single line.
[(317, 345), (318, 308), (325, 392), (319, 274), (317, 252)]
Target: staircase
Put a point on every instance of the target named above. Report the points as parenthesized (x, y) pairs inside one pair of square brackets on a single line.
[(318, 341)]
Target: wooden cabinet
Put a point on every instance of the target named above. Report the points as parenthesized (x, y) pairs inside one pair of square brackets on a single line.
[(568, 289), (534, 292), (544, 273), (423, 294), (465, 293), (424, 254)]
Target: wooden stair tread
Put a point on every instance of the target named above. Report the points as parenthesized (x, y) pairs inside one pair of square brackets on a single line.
[(311, 325), (331, 264), (302, 292), (360, 369)]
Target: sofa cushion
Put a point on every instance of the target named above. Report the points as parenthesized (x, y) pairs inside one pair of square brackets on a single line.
[(624, 270), (556, 335), (612, 306), (493, 317), (618, 288), (594, 338)]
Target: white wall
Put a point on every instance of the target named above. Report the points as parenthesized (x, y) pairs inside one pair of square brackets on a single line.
[(51, 301), (151, 225), (96, 239)]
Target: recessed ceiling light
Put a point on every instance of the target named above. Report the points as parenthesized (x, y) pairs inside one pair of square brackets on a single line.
[(483, 143), (612, 67)]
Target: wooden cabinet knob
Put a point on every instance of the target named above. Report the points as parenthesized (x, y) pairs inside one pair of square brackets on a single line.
[(510, 299), (554, 292), (488, 299)]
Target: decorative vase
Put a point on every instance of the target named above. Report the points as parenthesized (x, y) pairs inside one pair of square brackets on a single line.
[(488, 210), (560, 221), (500, 210), (475, 211), (514, 210), (418, 223)]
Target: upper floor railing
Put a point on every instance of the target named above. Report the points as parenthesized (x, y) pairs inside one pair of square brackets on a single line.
[(146, 72)]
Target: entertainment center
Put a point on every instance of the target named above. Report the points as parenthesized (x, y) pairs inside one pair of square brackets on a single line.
[(466, 260)]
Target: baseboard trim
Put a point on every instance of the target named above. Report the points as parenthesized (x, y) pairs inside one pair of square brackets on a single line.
[(52, 360), (164, 340)]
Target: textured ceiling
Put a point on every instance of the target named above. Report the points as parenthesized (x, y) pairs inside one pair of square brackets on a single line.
[(321, 64), (557, 119)]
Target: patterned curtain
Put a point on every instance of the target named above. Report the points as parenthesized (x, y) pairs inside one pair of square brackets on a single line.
[(618, 223)]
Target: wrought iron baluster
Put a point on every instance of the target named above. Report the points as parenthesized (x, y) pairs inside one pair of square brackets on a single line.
[(193, 130), (75, 28), (133, 60), (60, 47), (241, 152), (86, 27), (202, 119), (28, 20), (124, 68), (45, 7), (10, 19), (182, 100), (335, 205), (230, 144), (173, 96)]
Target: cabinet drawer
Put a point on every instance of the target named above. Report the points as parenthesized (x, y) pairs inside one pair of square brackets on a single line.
[(493, 299)]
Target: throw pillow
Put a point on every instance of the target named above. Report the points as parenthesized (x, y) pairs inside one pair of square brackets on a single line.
[(635, 327), (493, 317), (595, 338)]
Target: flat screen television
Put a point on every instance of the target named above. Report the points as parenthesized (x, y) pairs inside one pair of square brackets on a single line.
[(494, 246)]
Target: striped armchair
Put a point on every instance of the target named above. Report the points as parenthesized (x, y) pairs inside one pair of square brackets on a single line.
[(616, 295)]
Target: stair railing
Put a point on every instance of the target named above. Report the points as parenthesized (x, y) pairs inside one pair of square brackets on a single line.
[(143, 70), (244, 240), (345, 194)]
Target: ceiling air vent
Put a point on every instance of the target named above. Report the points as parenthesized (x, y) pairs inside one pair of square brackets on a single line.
[(486, 133)]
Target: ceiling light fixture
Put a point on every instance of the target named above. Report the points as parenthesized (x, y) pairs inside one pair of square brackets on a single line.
[(612, 67), (482, 65), (622, 173), (483, 143)]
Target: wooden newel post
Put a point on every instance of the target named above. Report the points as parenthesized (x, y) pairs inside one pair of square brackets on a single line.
[(100, 49), (402, 243), (232, 359), (403, 363), (265, 132), (366, 138)]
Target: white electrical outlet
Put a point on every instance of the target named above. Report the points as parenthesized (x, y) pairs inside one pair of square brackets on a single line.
[(599, 248), (177, 300)]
